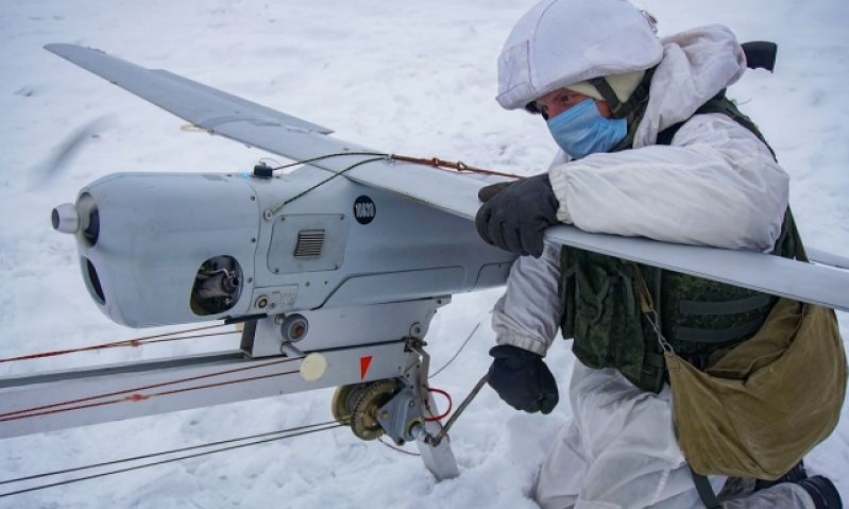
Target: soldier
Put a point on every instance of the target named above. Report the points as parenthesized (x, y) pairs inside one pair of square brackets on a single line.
[(650, 148)]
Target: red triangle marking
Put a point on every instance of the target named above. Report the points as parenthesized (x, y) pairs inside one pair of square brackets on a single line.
[(365, 362)]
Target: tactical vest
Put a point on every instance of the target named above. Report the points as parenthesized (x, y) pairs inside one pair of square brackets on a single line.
[(697, 316)]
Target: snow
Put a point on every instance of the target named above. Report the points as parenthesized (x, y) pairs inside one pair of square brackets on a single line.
[(412, 77)]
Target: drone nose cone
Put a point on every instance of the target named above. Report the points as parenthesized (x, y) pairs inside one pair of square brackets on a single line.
[(65, 218)]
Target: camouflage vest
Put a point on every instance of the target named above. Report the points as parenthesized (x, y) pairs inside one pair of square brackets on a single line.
[(698, 316)]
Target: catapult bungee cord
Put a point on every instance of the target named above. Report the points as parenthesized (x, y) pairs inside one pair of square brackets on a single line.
[(135, 394), (257, 439), (135, 342)]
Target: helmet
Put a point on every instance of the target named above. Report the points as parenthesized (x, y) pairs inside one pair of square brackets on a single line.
[(573, 43)]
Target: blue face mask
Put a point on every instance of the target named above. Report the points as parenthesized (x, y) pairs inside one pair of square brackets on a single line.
[(581, 130)]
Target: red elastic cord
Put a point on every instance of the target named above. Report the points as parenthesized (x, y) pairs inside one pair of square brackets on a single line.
[(450, 405)]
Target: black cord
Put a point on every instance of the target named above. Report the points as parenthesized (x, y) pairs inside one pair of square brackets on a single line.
[(438, 371), (289, 433), (397, 449), (328, 156), (328, 179)]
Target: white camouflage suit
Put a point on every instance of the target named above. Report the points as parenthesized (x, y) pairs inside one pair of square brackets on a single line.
[(716, 184)]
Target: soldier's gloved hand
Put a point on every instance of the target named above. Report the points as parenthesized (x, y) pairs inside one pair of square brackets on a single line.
[(522, 379), (514, 216), (487, 192)]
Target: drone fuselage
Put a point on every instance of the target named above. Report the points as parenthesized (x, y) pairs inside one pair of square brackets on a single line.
[(174, 248)]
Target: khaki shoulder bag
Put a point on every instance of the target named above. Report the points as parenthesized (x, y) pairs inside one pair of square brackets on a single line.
[(762, 405)]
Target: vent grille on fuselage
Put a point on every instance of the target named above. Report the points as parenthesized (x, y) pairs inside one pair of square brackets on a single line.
[(310, 243)]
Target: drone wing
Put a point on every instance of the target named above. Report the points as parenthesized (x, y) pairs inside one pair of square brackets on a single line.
[(288, 136), (820, 284), (224, 114)]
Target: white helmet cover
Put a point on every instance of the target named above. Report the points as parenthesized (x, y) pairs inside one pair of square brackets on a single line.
[(562, 42)]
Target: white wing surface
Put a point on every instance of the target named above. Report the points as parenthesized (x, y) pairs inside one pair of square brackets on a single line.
[(258, 126), (297, 139), (817, 284)]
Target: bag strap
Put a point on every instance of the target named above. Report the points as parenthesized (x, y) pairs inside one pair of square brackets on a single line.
[(705, 490), (801, 255), (703, 486)]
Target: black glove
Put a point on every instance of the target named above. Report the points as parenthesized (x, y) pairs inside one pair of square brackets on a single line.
[(522, 379), (485, 193), (514, 216)]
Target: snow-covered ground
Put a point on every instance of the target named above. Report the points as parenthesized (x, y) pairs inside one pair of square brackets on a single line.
[(411, 77)]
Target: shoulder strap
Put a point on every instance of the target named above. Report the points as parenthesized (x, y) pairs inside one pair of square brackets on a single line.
[(706, 494), (799, 248), (718, 104)]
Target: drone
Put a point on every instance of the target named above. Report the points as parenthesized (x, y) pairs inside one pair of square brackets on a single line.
[(332, 271)]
